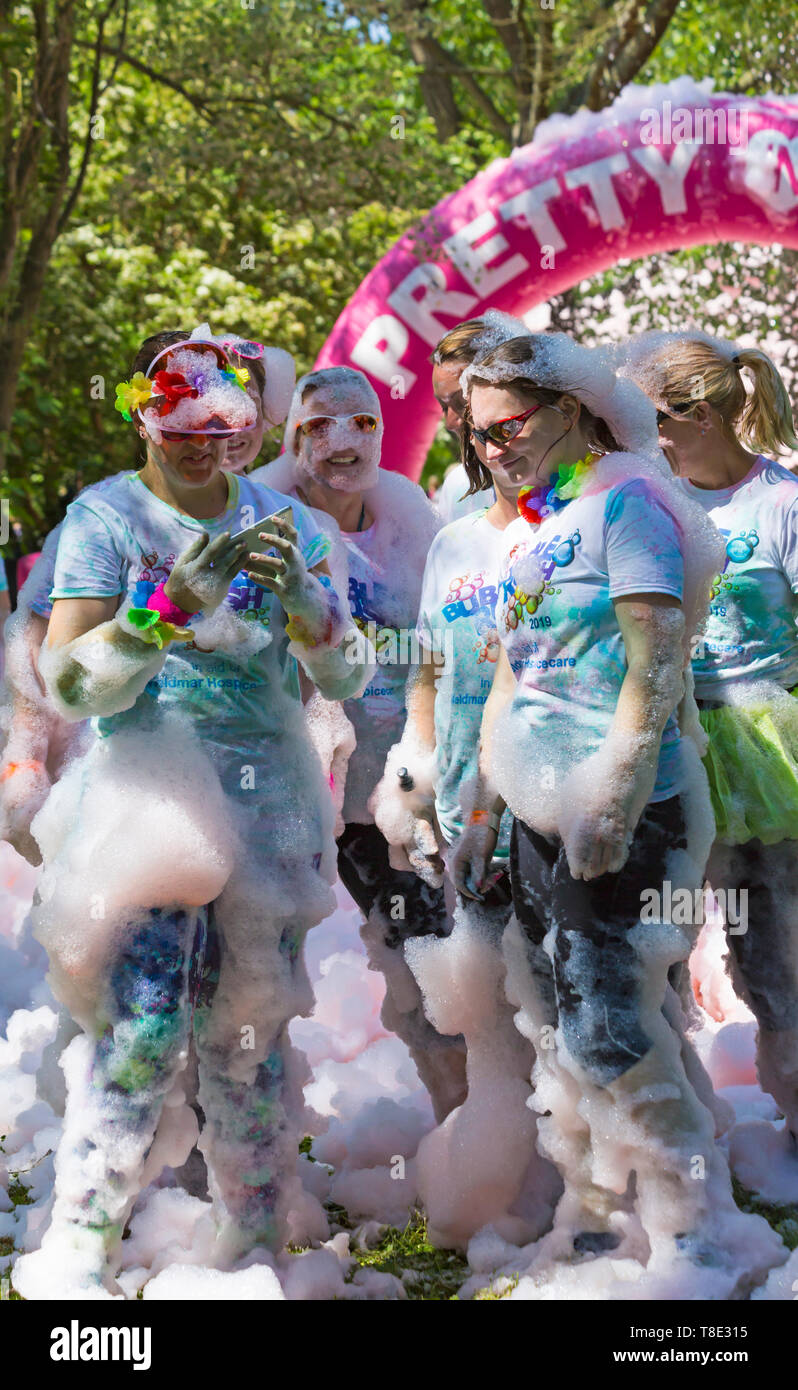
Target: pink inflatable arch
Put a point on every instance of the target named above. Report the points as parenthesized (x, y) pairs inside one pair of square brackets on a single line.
[(664, 167)]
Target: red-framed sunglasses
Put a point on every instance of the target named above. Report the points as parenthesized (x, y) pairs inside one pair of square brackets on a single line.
[(502, 431)]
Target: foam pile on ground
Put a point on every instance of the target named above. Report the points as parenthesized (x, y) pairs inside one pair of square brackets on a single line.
[(480, 1164)]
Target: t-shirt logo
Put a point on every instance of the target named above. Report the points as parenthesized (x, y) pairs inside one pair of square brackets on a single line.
[(469, 596), (739, 550)]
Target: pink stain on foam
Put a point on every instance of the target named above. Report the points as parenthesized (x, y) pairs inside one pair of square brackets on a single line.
[(346, 1015)]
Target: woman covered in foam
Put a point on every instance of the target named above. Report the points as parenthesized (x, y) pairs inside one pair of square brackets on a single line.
[(188, 850), (381, 525), (480, 1166), (721, 440), (38, 739), (605, 572)]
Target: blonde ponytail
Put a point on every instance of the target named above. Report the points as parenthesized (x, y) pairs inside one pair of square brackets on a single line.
[(766, 423), (677, 370)]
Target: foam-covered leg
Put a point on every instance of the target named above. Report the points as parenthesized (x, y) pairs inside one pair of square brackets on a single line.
[(250, 1077), (481, 1165), (117, 1080), (399, 907), (763, 956)]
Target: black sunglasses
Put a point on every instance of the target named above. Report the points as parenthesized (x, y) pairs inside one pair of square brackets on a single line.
[(679, 409)]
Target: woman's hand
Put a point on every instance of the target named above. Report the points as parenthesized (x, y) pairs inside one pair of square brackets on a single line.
[(203, 573), (24, 788), (286, 573), (605, 808), (420, 851), (471, 858)]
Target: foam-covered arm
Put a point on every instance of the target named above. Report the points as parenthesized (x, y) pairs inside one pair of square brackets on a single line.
[(403, 802), (101, 671), (336, 655), (407, 786), (30, 721), (472, 853)]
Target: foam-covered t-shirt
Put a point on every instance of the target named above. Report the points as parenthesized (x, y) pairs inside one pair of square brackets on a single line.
[(457, 621), (556, 620), (39, 583), (751, 629), (123, 540), (378, 714), (449, 501)]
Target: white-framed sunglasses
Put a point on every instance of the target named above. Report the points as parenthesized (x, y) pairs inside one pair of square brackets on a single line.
[(316, 424)]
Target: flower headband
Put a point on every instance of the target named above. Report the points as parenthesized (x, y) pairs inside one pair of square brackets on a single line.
[(196, 390)]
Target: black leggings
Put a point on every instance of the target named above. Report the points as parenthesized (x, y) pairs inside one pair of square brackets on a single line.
[(408, 905), (592, 990)]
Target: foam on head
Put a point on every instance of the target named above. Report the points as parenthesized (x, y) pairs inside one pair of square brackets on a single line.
[(278, 365), (336, 391), (556, 362), (214, 403)]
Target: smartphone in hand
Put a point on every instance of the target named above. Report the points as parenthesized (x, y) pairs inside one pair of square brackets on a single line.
[(272, 523)]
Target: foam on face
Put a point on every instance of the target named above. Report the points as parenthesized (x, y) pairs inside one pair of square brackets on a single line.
[(336, 392)]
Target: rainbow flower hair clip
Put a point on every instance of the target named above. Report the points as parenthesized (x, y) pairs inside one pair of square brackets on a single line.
[(130, 395)]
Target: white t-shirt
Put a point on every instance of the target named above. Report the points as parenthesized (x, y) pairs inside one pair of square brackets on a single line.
[(751, 630), (457, 620), (122, 539), (449, 502), (558, 625)]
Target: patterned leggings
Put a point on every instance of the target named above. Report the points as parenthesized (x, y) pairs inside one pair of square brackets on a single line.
[(160, 991)]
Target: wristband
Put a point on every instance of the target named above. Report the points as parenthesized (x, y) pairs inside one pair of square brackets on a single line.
[(494, 821), (27, 765), (150, 627), (298, 631), (160, 602), (478, 816)]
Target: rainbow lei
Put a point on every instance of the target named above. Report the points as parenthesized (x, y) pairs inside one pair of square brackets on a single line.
[(566, 483)]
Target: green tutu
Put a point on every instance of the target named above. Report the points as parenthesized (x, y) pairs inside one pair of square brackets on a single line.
[(752, 765)]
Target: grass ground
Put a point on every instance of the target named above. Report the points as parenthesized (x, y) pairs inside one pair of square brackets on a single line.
[(432, 1275)]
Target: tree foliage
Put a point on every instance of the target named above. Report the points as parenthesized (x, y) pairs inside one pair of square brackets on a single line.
[(168, 163)]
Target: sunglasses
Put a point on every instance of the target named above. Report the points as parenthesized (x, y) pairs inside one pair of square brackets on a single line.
[(208, 429), (663, 415), (316, 424), (502, 431), (242, 347)]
